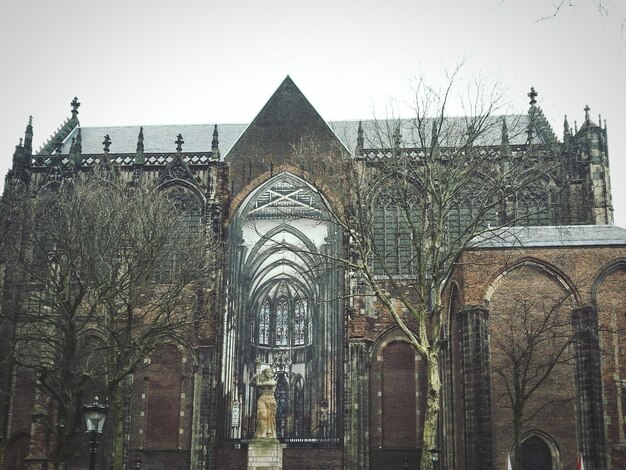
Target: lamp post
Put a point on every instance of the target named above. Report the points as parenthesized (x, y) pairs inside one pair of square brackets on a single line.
[(138, 464), (95, 414), (434, 456)]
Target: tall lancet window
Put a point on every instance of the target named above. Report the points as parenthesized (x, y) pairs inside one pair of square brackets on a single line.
[(264, 323), (281, 406), (282, 322), (299, 323)]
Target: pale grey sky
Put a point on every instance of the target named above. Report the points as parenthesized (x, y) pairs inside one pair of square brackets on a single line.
[(162, 62)]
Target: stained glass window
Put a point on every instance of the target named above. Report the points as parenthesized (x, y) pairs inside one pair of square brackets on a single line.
[(264, 324), (281, 407), (282, 322), (299, 323)]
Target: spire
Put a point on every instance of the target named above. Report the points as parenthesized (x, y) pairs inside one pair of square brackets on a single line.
[(179, 143), (139, 158), (533, 95), (75, 105), (140, 141), (76, 149), (359, 139), (505, 133), (106, 143), (28, 136), (215, 143), (397, 139), (566, 128)]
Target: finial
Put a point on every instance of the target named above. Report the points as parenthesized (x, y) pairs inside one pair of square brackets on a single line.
[(215, 143), (21, 142), (179, 143), (532, 95), (566, 129), (28, 136), (106, 143), (75, 104), (505, 133), (359, 139), (600, 120), (575, 127), (140, 141), (587, 109), (397, 138)]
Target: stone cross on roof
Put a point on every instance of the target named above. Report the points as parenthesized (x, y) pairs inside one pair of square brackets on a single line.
[(75, 104), (179, 143), (106, 143), (532, 95), (587, 109)]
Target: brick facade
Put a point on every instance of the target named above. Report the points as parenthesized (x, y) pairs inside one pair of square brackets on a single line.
[(361, 397)]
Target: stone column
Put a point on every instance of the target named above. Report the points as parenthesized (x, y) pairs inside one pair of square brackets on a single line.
[(356, 430), (590, 407), (476, 384)]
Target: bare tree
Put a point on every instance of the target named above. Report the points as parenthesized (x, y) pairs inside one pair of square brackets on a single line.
[(415, 194), (530, 352), (112, 272)]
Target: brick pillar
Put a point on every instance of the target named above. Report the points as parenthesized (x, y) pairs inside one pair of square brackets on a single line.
[(591, 438), (356, 433), (476, 381)]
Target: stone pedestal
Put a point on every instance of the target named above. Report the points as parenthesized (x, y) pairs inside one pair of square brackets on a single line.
[(265, 454)]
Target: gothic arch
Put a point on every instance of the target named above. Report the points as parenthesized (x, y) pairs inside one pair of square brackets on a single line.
[(283, 309), (396, 399), (541, 447), (538, 265), (604, 272)]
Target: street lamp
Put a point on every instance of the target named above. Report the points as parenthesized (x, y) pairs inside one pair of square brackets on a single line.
[(434, 456), (95, 414), (137, 464)]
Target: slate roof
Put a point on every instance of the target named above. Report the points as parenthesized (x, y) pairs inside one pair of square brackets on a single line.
[(551, 236), (157, 139), (286, 119)]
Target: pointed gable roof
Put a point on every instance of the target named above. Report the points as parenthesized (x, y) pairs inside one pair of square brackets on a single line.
[(285, 120)]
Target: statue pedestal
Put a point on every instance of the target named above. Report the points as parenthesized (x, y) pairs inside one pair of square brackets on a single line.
[(265, 454)]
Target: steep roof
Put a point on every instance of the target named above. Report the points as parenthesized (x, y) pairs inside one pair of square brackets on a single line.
[(551, 236), (157, 139), (286, 119)]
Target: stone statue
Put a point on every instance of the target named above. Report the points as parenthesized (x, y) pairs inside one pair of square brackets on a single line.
[(266, 404)]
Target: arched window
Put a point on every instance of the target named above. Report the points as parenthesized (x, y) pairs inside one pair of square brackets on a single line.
[(282, 322), (298, 408), (395, 224), (299, 323), (534, 207), (282, 406), (536, 454), (189, 208), (264, 323)]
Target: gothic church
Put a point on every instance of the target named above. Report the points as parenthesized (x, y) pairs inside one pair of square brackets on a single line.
[(349, 385)]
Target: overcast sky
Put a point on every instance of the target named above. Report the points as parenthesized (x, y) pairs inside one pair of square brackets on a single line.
[(139, 62)]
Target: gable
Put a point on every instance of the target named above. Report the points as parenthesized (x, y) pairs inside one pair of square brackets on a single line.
[(285, 120)]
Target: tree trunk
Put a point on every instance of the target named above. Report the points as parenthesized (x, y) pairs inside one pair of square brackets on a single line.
[(429, 439), (517, 444), (117, 416)]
